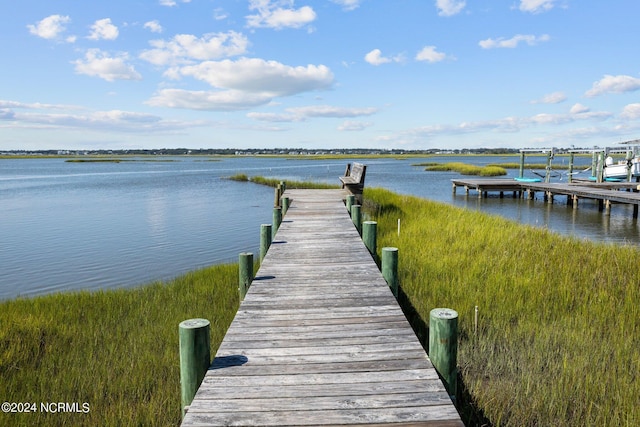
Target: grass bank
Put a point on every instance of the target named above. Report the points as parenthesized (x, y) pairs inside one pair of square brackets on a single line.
[(559, 321), (116, 350), (273, 182), (464, 168)]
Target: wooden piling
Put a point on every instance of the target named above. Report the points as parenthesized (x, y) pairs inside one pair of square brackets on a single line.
[(245, 269), (390, 268), (443, 346), (370, 236), (277, 195), (277, 220), (285, 204), (571, 161), (356, 217), (351, 200), (521, 170), (265, 240), (195, 357)]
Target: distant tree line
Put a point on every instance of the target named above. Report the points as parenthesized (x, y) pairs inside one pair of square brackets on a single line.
[(262, 151)]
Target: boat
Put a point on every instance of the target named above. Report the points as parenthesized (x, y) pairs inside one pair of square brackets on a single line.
[(621, 169)]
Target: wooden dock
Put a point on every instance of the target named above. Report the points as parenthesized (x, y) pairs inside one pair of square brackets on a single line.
[(605, 193), (319, 338)]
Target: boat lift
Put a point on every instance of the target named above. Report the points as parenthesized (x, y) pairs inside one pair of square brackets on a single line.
[(547, 176)]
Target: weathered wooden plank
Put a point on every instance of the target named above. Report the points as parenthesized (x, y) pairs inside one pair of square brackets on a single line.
[(239, 365), (259, 391), (434, 414), (399, 400), (319, 338)]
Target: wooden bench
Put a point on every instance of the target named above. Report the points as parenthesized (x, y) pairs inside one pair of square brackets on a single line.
[(353, 179)]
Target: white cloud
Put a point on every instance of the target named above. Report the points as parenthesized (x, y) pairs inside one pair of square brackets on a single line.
[(330, 111), (153, 26), (429, 54), (631, 111), (348, 4), (242, 84), (103, 29), (99, 64), (299, 114), (353, 126), (272, 15), (613, 84), (551, 98), (36, 105), (227, 100), (579, 109), (186, 47), (506, 124), (171, 3), (219, 14), (259, 76), (513, 42), (450, 7), (50, 27), (535, 6), (274, 117), (113, 120), (375, 58)]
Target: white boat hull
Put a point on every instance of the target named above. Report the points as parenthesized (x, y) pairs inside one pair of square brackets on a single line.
[(620, 170)]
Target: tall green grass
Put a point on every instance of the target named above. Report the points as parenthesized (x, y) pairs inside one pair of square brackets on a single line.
[(116, 350), (273, 182), (558, 334), (466, 169)]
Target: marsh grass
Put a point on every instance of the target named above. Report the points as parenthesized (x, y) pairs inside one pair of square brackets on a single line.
[(466, 169), (116, 350), (528, 166), (273, 182), (559, 318)]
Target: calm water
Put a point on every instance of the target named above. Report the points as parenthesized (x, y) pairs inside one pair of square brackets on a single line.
[(67, 226)]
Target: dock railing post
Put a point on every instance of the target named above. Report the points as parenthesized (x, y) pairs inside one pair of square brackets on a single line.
[(571, 158), (521, 172), (370, 236), (277, 220), (277, 195), (351, 200), (285, 204), (195, 357), (389, 266), (245, 270), (547, 175), (600, 173), (265, 240), (356, 217), (443, 346)]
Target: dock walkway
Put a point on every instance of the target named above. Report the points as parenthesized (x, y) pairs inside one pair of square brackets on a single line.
[(605, 193), (319, 338)]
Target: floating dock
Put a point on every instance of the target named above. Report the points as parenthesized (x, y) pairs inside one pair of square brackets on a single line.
[(319, 338), (605, 193)]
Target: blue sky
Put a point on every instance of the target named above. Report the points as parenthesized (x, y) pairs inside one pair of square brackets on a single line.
[(411, 74)]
